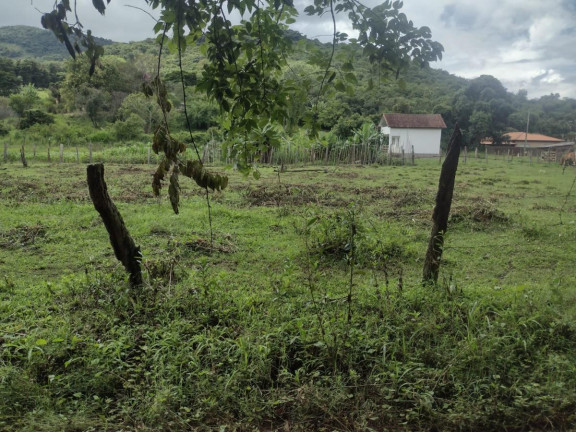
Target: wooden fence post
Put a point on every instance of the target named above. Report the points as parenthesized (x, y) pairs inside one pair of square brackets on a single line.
[(413, 162), (90, 152), (5, 151), (442, 209), (61, 153), (124, 247), (23, 156)]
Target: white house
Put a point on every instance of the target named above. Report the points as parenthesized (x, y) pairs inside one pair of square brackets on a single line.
[(413, 132)]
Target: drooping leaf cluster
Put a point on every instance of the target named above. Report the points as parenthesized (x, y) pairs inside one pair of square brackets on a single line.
[(172, 163)]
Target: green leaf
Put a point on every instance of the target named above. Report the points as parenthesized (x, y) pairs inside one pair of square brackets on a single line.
[(312, 221), (41, 342), (331, 77), (99, 5)]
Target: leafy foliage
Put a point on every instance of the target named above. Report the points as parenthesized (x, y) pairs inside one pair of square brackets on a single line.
[(32, 117), (172, 148), (26, 99)]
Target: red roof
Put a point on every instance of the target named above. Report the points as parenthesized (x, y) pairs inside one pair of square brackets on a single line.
[(413, 121), (520, 137), (523, 136)]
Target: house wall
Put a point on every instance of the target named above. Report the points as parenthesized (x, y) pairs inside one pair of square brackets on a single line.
[(533, 143), (425, 141), (521, 151)]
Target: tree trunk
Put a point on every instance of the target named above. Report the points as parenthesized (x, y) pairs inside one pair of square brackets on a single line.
[(442, 209), (124, 247)]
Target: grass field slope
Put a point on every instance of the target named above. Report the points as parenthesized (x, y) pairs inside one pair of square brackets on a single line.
[(305, 312)]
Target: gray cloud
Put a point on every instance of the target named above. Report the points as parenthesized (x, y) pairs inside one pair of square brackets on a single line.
[(457, 15), (528, 44)]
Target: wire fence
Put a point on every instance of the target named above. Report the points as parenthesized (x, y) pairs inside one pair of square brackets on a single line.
[(22, 151)]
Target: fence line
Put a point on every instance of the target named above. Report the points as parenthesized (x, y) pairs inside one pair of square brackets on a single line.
[(287, 154)]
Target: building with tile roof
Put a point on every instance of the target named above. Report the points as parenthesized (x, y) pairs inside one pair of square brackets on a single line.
[(528, 140), (413, 133)]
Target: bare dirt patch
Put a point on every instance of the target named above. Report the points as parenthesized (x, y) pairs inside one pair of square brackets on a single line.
[(22, 236), (279, 195), (204, 247)]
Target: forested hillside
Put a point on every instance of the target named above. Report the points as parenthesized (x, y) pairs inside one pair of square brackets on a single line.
[(109, 106), (32, 42)]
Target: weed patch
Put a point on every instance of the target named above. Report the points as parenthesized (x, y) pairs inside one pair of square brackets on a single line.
[(22, 236), (481, 214)]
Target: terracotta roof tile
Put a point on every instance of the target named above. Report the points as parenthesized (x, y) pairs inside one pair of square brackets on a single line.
[(521, 136), (414, 121)]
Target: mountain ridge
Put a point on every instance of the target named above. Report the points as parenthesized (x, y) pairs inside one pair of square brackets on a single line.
[(20, 41)]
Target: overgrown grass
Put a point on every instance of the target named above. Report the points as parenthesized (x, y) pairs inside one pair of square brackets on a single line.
[(307, 313)]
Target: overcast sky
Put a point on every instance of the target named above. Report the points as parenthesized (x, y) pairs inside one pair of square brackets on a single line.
[(527, 44)]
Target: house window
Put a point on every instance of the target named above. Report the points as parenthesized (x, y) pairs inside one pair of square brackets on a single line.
[(395, 144)]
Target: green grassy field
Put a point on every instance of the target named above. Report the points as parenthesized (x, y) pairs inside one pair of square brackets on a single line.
[(306, 313)]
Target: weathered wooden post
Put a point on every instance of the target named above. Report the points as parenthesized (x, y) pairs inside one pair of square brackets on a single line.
[(413, 161), (403, 157), (23, 156), (486, 153), (442, 209), (476, 153), (61, 153), (124, 247), (90, 152), (465, 153), (5, 151)]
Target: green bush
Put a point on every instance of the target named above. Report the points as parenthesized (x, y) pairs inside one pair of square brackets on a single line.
[(33, 117), (103, 136), (130, 129), (4, 130)]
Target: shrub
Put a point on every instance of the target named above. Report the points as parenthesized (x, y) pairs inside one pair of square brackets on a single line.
[(104, 136), (130, 129), (32, 117), (4, 130)]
